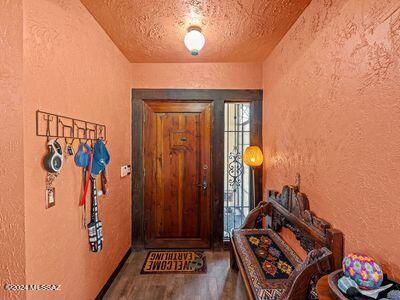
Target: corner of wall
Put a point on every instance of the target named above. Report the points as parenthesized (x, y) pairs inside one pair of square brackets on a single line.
[(12, 214)]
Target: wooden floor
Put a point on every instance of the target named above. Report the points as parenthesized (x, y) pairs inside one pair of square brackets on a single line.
[(220, 282)]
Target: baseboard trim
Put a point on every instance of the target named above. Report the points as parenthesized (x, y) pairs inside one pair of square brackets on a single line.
[(110, 280)]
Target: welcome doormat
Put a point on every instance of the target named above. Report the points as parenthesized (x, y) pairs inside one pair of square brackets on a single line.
[(179, 261)]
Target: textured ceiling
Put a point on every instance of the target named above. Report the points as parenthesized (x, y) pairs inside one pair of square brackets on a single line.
[(235, 30)]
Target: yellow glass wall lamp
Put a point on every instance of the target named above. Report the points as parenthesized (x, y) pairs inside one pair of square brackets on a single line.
[(253, 157)]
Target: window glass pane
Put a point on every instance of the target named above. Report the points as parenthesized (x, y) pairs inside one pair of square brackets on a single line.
[(237, 175)]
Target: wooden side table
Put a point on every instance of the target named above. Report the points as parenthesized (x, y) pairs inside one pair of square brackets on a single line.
[(323, 289)]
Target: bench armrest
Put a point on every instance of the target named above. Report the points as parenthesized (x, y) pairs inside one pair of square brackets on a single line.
[(314, 266), (256, 214)]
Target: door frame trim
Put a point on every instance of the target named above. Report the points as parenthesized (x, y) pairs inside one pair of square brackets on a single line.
[(217, 98)]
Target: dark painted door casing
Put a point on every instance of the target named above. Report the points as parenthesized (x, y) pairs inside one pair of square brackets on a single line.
[(217, 98)]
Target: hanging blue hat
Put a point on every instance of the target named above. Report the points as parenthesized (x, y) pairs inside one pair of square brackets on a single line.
[(82, 157), (101, 157)]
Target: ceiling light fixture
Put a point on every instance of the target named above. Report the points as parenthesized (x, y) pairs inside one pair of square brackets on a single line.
[(194, 40)]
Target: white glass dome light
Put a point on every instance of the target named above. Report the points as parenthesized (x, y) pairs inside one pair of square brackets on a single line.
[(194, 40)]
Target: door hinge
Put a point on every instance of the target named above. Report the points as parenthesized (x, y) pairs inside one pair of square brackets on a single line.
[(144, 118), (144, 172)]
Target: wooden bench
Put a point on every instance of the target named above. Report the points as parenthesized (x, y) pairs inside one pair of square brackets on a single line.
[(270, 268)]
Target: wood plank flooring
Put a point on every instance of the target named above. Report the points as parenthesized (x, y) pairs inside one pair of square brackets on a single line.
[(220, 282)]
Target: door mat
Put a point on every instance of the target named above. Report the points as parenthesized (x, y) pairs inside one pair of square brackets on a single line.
[(179, 261)]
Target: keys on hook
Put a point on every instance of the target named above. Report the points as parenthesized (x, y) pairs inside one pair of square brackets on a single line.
[(69, 150)]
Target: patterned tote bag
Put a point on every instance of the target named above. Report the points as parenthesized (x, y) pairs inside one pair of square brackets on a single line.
[(95, 228)]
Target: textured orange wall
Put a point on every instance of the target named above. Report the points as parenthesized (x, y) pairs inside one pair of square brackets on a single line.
[(12, 242), (197, 75), (332, 114), (71, 67)]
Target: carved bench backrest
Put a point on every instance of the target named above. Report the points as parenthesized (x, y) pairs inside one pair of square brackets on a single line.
[(291, 209)]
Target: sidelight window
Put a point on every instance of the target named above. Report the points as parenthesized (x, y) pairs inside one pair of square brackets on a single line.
[(237, 180)]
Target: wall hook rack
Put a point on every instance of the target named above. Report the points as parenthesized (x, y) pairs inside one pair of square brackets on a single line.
[(57, 126)]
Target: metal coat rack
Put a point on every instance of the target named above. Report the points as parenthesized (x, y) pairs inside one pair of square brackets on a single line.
[(57, 126)]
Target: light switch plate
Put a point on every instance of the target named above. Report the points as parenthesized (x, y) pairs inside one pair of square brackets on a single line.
[(125, 170)]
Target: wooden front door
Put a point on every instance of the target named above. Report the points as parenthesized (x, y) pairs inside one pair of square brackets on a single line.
[(177, 174)]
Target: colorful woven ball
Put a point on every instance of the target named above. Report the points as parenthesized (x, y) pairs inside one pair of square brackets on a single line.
[(363, 270)]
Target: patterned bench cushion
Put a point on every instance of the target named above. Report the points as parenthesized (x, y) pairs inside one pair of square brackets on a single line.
[(267, 259)]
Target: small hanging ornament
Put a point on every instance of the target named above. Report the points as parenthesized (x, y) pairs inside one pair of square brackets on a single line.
[(50, 190)]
